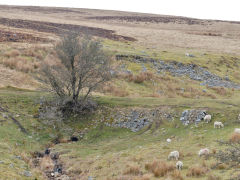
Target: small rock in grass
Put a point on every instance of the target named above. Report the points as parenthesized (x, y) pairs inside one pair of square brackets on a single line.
[(27, 173), (90, 178), (5, 115)]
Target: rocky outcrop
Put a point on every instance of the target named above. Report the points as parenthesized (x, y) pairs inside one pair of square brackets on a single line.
[(192, 116), (193, 71), (196, 73), (137, 119)]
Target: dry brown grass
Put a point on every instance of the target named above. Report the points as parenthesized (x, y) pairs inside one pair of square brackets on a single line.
[(222, 166), (46, 164), (159, 35), (235, 138), (220, 91), (213, 177), (12, 53), (20, 64), (132, 170), (159, 168), (197, 171), (214, 151), (175, 175), (30, 52), (155, 95), (139, 78), (116, 91), (144, 177)]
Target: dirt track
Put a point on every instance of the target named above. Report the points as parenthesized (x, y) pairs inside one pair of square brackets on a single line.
[(60, 29)]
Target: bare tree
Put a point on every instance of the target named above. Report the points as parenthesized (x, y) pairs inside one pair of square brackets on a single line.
[(82, 66)]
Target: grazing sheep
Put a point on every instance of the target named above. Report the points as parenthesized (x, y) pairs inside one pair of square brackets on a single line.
[(204, 152), (169, 140), (179, 165), (207, 118), (237, 130), (173, 155), (218, 124)]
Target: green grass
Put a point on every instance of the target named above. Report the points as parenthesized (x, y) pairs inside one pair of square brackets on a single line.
[(15, 143), (104, 151), (126, 148), (217, 63)]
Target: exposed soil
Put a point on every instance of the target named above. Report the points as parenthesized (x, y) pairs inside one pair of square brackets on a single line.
[(8, 36), (60, 29)]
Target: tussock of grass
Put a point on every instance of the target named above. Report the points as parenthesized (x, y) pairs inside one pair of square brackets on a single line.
[(213, 177), (116, 91), (159, 168), (197, 171), (133, 170), (235, 138), (175, 175)]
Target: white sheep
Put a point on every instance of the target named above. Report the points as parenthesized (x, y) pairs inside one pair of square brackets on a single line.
[(173, 155), (237, 130), (204, 152), (179, 165), (208, 118), (218, 124), (169, 140)]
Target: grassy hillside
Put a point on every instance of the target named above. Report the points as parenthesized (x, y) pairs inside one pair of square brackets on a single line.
[(27, 38), (113, 152)]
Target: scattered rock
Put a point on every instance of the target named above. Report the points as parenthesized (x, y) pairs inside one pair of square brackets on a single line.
[(27, 173), (192, 116), (18, 157), (4, 115), (63, 177), (47, 151), (193, 71), (136, 119), (227, 78), (90, 178), (189, 55)]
